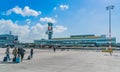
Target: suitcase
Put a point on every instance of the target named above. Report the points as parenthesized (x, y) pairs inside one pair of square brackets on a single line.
[(14, 59), (18, 60), (5, 59), (29, 57)]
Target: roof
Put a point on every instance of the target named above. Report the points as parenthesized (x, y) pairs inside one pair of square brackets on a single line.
[(76, 38)]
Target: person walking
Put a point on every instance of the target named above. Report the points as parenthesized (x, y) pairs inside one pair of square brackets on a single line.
[(22, 53), (54, 49), (8, 52), (31, 53), (19, 51), (15, 52)]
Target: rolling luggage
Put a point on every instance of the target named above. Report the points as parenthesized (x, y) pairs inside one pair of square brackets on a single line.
[(18, 60), (29, 57), (14, 59), (5, 59)]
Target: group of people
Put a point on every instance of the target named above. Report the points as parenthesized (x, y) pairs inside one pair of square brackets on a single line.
[(18, 53)]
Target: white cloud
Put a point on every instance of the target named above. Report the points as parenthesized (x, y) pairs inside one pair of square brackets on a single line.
[(47, 19), (27, 33), (55, 8), (61, 7), (64, 7), (28, 21), (24, 12), (59, 29)]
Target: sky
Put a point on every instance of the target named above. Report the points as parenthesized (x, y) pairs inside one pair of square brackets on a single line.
[(28, 18)]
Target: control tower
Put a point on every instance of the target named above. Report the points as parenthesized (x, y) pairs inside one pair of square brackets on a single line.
[(49, 32)]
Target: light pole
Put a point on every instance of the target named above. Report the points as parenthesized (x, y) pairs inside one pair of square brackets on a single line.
[(109, 8)]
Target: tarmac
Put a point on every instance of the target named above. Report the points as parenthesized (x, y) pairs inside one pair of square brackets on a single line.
[(63, 61)]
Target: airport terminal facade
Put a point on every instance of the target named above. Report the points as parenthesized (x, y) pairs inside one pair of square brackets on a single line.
[(78, 40), (73, 40), (8, 40)]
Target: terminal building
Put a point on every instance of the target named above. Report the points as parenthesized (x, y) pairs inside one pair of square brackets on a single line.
[(78, 40), (8, 40)]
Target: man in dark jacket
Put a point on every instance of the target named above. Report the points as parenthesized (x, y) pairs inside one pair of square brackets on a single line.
[(22, 52), (31, 53)]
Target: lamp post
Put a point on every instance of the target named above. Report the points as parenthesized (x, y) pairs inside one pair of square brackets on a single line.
[(109, 8)]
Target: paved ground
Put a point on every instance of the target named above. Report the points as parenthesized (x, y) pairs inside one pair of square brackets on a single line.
[(64, 61)]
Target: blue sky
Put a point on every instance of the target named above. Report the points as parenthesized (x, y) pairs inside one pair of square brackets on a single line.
[(28, 18)]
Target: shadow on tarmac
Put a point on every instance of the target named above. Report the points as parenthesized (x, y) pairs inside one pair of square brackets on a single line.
[(1, 62), (10, 62)]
